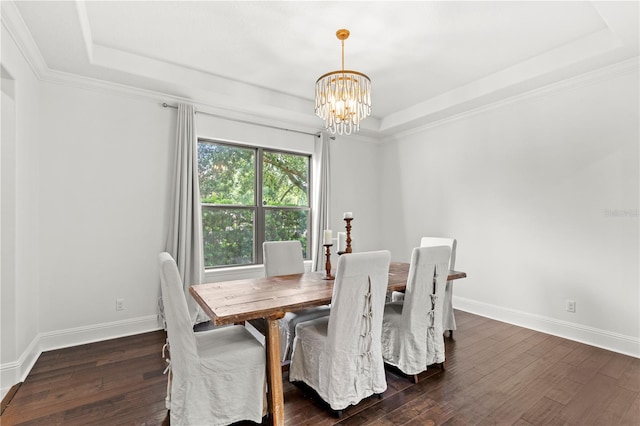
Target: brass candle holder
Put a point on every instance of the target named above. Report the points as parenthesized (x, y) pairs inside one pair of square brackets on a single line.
[(327, 265)]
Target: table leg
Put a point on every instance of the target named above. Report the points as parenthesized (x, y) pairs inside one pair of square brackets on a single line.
[(274, 372)]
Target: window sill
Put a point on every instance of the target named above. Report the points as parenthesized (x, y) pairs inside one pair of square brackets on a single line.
[(240, 272)]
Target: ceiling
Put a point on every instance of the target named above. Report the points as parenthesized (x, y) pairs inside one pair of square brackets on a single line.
[(427, 60)]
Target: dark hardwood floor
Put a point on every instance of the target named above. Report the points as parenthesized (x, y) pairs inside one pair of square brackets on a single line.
[(496, 374)]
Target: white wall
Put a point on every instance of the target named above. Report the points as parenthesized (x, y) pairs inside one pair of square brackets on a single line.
[(104, 161), (355, 183), (19, 226), (530, 188), (212, 127), (104, 167)]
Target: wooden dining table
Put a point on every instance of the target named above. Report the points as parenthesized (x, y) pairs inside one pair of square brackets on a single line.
[(231, 302)]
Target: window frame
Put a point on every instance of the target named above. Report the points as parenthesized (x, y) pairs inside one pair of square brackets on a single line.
[(258, 207)]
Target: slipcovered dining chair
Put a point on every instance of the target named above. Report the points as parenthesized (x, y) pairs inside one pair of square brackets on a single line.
[(217, 377), (412, 335), (285, 258), (448, 317), (340, 356)]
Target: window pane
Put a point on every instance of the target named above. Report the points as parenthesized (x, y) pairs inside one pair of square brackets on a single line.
[(287, 224), (241, 185), (228, 236), (226, 174), (285, 179)]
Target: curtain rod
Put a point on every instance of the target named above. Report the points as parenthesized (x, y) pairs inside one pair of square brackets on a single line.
[(166, 105)]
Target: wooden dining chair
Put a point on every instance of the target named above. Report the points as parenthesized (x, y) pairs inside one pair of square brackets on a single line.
[(340, 356), (285, 258), (217, 377), (412, 336)]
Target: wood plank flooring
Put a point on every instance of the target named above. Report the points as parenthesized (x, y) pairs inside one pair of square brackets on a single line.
[(496, 374)]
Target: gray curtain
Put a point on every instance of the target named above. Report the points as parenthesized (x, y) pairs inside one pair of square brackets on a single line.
[(322, 196), (184, 239)]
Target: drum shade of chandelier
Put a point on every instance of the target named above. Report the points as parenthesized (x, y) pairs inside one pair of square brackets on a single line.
[(343, 98)]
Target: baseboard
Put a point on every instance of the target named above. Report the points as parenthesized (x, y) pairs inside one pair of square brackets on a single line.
[(17, 371), (615, 342), (6, 399), (95, 333)]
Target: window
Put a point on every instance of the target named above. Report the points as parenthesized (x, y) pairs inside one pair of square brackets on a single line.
[(250, 195)]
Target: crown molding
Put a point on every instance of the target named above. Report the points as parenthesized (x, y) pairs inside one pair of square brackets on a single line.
[(221, 110), (14, 24), (21, 36), (85, 27), (608, 72), (538, 70), (261, 114), (228, 106), (87, 83)]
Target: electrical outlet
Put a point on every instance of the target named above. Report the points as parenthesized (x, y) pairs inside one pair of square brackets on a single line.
[(119, 304), (571, 306)]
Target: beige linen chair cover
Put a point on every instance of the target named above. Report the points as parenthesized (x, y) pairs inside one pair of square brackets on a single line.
[(218, 376), (340, 356), (285, 258), (412, 335)]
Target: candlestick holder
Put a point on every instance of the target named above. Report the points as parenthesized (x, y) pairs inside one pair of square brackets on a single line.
[(327, 265), (348, 227)]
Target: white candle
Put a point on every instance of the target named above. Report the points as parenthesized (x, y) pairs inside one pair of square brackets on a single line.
[(347, 215), (327, 236), (342, 241)]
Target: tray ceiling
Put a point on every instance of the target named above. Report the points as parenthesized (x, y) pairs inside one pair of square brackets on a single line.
[(427, 60)]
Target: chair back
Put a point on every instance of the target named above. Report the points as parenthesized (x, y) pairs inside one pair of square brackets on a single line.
[(282, 258), (425, 290), (437, 241), (421, 322), (357, 306), (182, 342)]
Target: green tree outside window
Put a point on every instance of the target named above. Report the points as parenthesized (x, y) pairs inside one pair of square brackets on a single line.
[(250, 195)]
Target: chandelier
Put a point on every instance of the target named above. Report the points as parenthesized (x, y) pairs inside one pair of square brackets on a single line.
[(343, 98)]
